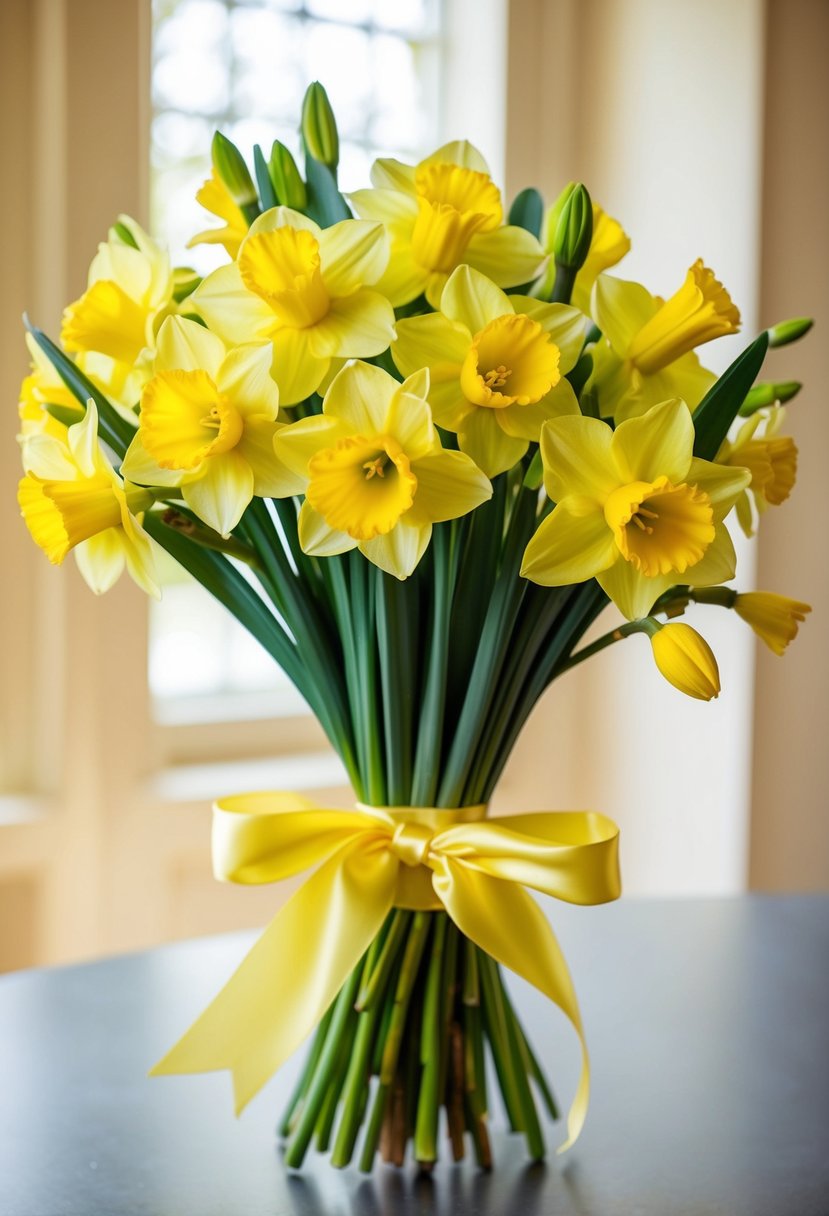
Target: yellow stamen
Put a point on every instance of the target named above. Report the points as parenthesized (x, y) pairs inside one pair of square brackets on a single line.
[(283, 267), (700, 311), (453, 205), (376, 467), (512, 352), (668, 535)]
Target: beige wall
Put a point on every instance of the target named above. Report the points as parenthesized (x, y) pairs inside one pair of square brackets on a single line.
[(790, 806)]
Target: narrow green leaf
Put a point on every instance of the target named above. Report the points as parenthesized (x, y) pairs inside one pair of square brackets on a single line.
[(325, 203), (721, 404), (527, 211), (114, 428)]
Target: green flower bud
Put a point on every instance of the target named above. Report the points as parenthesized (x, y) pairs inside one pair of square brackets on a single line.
[(789, 331), (185, 282), (287, 183), (319, 127), (771, 393), (574, 229), (553, 215), (233, 172)]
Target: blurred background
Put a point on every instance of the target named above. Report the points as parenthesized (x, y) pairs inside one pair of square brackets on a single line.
[(702, 126)]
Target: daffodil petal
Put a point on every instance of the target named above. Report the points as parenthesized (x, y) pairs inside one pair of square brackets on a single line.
[(390, 174), (361, 396), (620, 309), (139, 556), (431, 341), (417, 383), (722, 483), (403, 279), (686, 378), (284, 217), (100, 560), (317, 538), (245, 377), (566, 326), (48, 457), (526, 421), (298, 372), (449, 406), (399, 551), (358, 326), (220, 495), (507, 255), (571, 545), (632, 593), (234, 313), (472, 300), (457, 152), (271, 478), (353, 253), (449, 484), (398, 211), (658, 444), (578, 458), (83, 441), (409, 421), (294, 445), (717, 565), (482, 438), (189, 346), (140, 468)]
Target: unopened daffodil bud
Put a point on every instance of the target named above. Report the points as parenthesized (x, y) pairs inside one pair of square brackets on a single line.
[(319, 127), (774, 618), (233, 172), (776, 392), (574, 228), (789, 331), (287, 183), (685, 660)]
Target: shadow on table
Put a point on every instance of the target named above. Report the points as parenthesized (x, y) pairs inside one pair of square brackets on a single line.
[(528, 1191)]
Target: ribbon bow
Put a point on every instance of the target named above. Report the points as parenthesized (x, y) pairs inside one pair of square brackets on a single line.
[(370, 860)]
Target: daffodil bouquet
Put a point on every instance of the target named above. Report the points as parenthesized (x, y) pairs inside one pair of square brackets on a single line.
[(415, 447)]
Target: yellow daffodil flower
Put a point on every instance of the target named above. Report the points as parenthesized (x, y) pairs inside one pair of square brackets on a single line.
[(771, 459), (304, 289), (130, 291), (374, 472), (215, 197), (774, 618), (439, 214), (207, 423), (686, 660), (72, 498), (647, 351), (608, 246), (496, 365), (634, 508)]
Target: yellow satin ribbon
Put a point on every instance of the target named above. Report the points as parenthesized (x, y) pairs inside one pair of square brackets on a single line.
[(368, 861)]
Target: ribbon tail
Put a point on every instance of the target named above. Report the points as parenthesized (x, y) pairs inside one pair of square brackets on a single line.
[(287, 981), (507, 923)]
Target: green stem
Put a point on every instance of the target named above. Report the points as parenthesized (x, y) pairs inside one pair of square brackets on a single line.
[(374, 984), (398, 664), (495, 1022), (433, 707), (287, 1121), (607, 639), (363, 615), (431, 1046)]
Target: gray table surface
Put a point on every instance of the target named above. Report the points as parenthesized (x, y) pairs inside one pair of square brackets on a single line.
[(708, 1022)]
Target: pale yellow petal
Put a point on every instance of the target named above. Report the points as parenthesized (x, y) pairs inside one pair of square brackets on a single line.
[(620, 309), (361, 396), (526, 421), (187, 345), (399, 551), (358, 326), (140, 468), (458, 152), (659, 444), (409, 421), (481, 437), (472, 300), (234, 313), (571, 545), (271, 478), (317, 539), (632, 593), (566, 326), (578, 458), (297, 371), (220, 495), (397, 211), (245, 378), (722, 483), (717, 565), (431, 341), (284, 217), (509, 255), (295, 444), (139, 554), (390, 174), (449, 484), (353, 254), (101, 560)]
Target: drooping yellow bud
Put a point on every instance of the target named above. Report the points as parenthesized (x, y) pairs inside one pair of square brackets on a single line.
[(701, 310), (658, 527), (772, 462), (774, 618), (686, 660)]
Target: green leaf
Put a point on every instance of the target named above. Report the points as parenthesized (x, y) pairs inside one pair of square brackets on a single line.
[(721, 404), (267, 195), (527, 211), (325, 203), (65, 414), (114, 429)]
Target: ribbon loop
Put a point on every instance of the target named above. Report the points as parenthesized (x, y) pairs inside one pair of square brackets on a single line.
[(367, 861)]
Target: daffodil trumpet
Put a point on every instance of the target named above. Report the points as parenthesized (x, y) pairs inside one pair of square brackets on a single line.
[(416, 444)]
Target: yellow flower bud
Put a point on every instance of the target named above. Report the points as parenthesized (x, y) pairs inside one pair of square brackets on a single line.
[(686, 660), (774, 618)]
